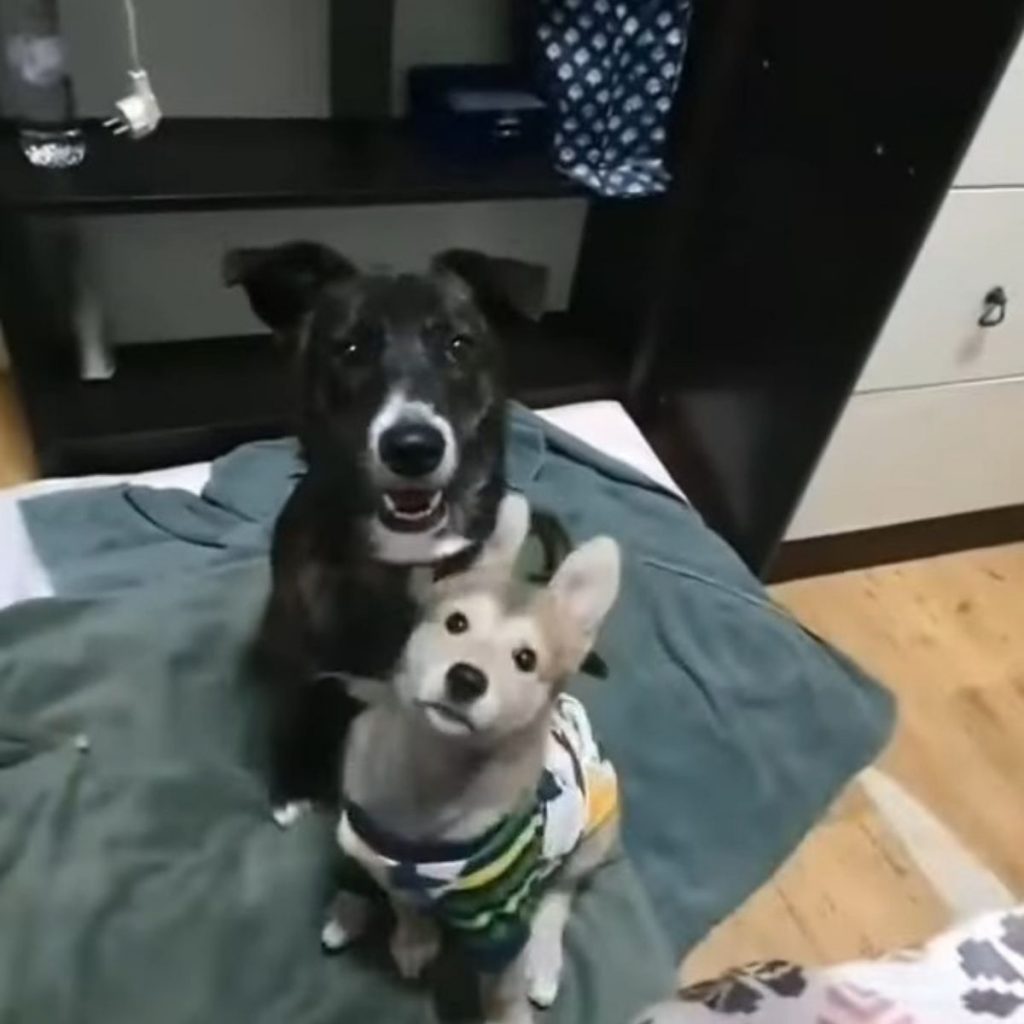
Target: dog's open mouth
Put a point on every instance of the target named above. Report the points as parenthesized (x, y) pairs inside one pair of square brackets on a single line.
[(411, 510), (446, 719)]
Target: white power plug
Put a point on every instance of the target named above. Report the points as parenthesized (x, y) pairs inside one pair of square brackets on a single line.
[(138, 113)]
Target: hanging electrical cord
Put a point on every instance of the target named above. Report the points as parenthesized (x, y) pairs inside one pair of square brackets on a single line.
[(132, 21), (138, 113)]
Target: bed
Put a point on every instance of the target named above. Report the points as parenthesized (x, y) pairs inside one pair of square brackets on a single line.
[(605, 425), (132, 800)]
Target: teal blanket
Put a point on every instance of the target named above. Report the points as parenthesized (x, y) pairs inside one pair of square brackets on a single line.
[(139, 874)]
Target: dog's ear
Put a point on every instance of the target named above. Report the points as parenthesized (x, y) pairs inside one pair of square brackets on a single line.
[(503, 288), (501, 549), (283, 282), (586, 585)]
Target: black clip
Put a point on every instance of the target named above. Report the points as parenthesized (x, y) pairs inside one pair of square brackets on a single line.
[(994, 312)]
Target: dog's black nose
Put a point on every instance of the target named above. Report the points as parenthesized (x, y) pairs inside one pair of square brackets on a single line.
[(465, 682), (412, 449)]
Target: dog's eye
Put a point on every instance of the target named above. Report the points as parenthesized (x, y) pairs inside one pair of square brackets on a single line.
[(456, 623), (352, 351), (459, 348), (525, 659), (356, 347)]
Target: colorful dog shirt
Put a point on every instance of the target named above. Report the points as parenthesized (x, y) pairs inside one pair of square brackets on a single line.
[(484, 892)]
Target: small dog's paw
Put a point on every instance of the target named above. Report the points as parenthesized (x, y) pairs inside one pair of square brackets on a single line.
[(544, 973), (334, 937), (348, 920), (287, 814), (415, 944), (543, 988)]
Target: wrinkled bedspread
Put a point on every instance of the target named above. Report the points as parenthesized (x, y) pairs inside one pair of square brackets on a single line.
[(140, 874)]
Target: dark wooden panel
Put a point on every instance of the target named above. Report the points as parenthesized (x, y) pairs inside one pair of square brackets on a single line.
[(816, 556), (361, 34), (615, 278), (821, 142), (243, 163)]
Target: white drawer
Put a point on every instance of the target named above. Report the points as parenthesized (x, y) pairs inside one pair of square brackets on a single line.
[(898, 456), (996, 156), (933, 335)]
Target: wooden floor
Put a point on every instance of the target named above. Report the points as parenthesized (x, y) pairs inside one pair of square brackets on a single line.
[(16, 461), (947, 635), (941, 830)]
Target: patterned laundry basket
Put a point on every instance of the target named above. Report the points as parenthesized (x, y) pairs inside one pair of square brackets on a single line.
[(610, 70)]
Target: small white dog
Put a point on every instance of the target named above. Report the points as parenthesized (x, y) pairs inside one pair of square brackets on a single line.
[(475, 794)]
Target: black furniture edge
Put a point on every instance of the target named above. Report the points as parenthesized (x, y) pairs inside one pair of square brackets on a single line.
[(361, 34), (818, 556), (251, 163)]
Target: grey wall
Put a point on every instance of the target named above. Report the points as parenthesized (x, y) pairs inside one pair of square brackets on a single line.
[(159, 276), (448, 32), (238, 58), (260, 58)]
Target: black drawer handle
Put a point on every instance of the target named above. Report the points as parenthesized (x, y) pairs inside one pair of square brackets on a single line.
[(994, 308)]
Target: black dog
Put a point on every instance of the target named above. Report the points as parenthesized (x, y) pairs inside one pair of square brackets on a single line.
[(401, 425)]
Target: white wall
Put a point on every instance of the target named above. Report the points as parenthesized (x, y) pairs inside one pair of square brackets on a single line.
[(159, 276)]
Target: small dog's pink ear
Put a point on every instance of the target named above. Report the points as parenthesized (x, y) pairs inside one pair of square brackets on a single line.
[(501, 549), (587, 583)]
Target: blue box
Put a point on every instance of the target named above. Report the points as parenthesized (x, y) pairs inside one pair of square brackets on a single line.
[(478, 108)]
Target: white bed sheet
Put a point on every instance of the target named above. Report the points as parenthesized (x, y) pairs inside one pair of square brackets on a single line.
[(604, 425)]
